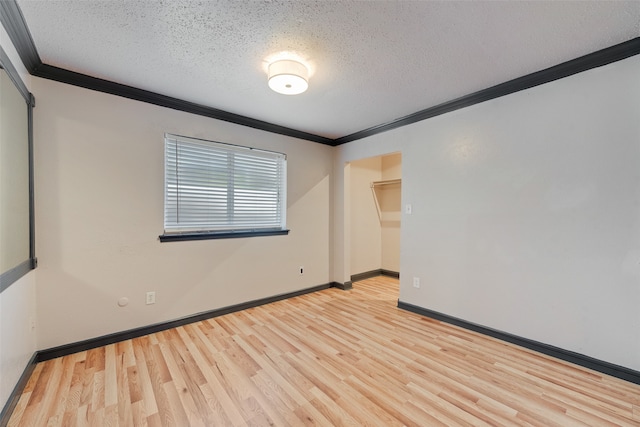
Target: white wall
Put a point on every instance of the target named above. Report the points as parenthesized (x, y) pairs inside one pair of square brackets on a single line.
[(526, 212), (17, 332), (99, 211), (18, 302)]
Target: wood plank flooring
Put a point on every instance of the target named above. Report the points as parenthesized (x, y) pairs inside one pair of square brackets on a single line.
[(330, 358)]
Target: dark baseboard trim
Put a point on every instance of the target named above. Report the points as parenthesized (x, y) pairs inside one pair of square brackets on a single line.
[(366, 275), (76, 347), (344, 286), (374, 273), (559, 353), (390, 273), (17, 391), (64, 350)]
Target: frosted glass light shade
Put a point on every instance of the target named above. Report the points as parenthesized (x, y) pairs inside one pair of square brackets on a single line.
[(288, 77)]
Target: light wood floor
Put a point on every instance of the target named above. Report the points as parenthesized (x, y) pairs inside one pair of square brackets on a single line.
[(329, 358)]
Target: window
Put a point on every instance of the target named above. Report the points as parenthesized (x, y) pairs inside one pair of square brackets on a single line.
[(215, 190), (17, 237)]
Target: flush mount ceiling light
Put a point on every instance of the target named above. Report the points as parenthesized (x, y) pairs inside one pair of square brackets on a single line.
[(288, 77)]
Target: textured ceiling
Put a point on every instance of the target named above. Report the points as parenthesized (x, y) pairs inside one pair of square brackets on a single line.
[(371, 61)]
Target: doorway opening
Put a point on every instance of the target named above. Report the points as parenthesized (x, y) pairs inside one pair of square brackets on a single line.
[(373, 216)]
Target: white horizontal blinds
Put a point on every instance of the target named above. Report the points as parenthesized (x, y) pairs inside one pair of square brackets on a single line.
[(219, 187)]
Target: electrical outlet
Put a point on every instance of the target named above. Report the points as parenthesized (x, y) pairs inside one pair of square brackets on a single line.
[(416, 282), (301, 270), (151, 297)]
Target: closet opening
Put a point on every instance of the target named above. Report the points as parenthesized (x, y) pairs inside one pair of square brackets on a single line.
[(373, 215)]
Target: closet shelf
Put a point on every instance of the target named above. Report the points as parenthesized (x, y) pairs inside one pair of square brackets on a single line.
[(385, 215), (375, 184)]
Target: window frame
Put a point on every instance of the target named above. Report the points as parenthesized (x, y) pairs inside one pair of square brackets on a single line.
[(12, 275), (223, 233)]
